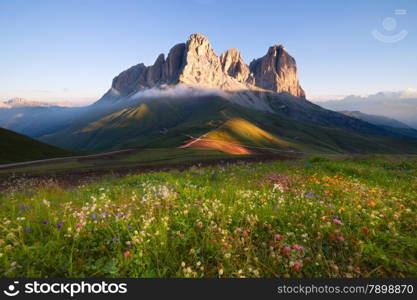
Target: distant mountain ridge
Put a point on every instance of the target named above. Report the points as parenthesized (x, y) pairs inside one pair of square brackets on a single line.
[(375, 119), (22, 102), (401, 105)]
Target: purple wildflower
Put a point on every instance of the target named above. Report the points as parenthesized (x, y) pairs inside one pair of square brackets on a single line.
[(45, 222), (115, 239), (59, 226), (22, 207), (27, 229), (94, 216)]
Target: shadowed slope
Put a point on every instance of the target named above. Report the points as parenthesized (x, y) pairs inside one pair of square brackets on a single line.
[(16, 148)]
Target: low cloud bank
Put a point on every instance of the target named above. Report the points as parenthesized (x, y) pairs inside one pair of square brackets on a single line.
[(179, 90)]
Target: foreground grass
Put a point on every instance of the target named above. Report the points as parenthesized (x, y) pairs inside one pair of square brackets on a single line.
[(353, 217)]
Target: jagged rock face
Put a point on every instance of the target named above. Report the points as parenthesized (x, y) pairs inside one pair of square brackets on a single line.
[(128, 81), (141, 77), (202, 67), (173, 64), (195, 63), (277, 71), (234, 66)]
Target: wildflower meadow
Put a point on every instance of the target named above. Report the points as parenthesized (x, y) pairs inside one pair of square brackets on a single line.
[(314, 217)]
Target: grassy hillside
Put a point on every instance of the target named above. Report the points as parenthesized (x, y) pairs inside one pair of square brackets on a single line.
[(169, 123), (17, 148), (318, 217), (238, 136)]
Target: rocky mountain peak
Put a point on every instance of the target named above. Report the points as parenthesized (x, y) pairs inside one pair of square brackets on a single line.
[(276, 48), (199, 43), (203, 68), (195, 63), (173, 64), (277, 71), (234, 65)]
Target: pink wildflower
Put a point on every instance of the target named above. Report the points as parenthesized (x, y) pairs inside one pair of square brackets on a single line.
[(278, 237), (337, 222), (286, 250), (298, 247), (297, 266)]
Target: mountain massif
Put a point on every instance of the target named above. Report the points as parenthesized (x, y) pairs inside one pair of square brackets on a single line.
[(195, 98), (194, 63)]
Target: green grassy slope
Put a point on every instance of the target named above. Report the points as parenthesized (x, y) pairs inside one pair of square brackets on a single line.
[(168, 123), (17, 148)]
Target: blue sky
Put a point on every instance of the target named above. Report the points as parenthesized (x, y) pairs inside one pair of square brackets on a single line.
[(71, 50)]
